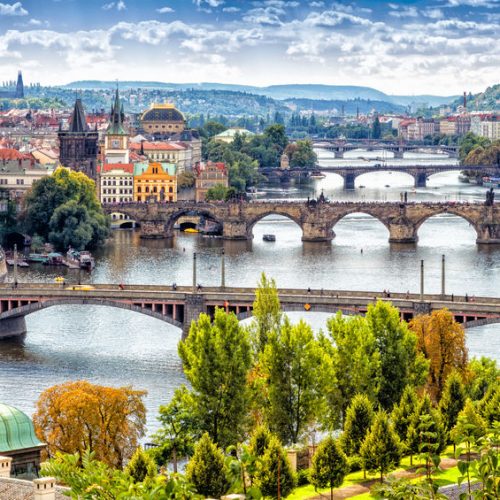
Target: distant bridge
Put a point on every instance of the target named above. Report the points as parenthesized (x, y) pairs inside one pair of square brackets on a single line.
[(316, 219), (339, 147), (182, 305)]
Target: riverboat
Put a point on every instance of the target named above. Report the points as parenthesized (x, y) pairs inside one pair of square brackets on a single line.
[(317, 174), (87, 262), (269, 237), (54, 259), (82, 260), (39, 258), (491, 182)]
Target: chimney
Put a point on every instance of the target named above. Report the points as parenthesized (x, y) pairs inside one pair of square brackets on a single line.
[(465, 100), (45, 488), (5, 463)]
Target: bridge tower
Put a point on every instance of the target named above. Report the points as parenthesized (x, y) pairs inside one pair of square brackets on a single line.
[(420, 180)]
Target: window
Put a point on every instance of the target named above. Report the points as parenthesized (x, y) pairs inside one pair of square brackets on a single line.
[(3, 181), (19, 181)]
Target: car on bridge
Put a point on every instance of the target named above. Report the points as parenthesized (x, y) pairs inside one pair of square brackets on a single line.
[(83, 288)]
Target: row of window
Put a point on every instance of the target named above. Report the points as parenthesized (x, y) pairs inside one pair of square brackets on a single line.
[(154, 189), (126, 182), (117, 191), (19, 182), (170, 198)]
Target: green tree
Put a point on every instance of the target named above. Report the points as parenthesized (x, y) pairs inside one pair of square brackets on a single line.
[(141, 466), (355, 361), (63, 208), (400, 362), (8, 219), (293, 364), (259, 440), (489, 406), (402, 413), (381, 450), (482, 373), (267, 313), (426, 431), (276, 136), (301, 154), (358, 420), (207, 469), (217, 359), (452, 400), (329, 465), (179, 428), (274, 476), (217, 192), (376, 128), (469, 142), (212, 128)]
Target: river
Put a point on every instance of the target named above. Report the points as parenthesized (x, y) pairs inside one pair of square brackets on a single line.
[(117, 347)]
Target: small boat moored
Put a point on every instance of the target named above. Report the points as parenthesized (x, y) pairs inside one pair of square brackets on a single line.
[(269, 237)]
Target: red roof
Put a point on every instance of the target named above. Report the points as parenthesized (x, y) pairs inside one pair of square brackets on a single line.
[(13, 154), (108, 167), (156, 146)]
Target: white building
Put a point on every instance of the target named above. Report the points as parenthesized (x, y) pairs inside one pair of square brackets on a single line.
[(486, 125), (116, 183)]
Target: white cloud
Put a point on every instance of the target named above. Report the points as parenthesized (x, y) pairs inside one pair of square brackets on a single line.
[(316, 4), (15, 9), (210, 3), (231, 10), (401, 11), (120, 5), (269, 16), (433, 13), (473, 3), (165, 10)]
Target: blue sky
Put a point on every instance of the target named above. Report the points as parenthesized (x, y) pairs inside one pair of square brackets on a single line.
[(400, 47)]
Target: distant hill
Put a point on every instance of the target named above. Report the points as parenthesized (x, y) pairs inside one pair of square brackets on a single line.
[(489, 100), (351, 106), (298, 91)]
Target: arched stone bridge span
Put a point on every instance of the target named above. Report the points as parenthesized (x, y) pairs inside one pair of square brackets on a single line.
[(420, 173), (184, 304), (316, 219)]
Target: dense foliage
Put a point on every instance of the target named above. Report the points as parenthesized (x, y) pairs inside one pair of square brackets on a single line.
[(63, 209)]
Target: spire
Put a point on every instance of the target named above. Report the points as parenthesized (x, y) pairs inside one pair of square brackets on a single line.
[(78, 122), (19, 86), (117, 116)]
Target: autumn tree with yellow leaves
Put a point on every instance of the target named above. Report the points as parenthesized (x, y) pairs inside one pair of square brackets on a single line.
[(78, 416), (442, 341)]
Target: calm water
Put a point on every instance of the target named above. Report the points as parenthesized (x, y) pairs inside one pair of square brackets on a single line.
[(116, 347)]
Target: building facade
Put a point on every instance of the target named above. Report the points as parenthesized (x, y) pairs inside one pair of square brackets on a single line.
[(486, 125), (155, 182), (208, 175), (163, 119), (116, 183), (78, 146), (165, 152)]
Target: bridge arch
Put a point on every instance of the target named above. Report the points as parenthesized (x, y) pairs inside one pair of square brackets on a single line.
[(274, 211), (190, 211), (451, 211), (38, 306), (386, 169), (362, 211)]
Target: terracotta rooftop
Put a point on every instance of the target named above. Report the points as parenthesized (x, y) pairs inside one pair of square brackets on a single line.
[(156, 146)]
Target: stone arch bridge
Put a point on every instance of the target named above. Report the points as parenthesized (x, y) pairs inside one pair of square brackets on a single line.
[(316, 219), (182, 305)]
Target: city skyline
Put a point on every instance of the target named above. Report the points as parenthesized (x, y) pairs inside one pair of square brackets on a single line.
[(440, 47)]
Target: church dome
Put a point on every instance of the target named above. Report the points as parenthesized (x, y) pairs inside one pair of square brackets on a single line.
[(163, 113), (16, 430)]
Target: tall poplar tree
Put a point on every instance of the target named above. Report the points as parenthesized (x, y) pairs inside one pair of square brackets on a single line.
[(217, 359), (358, 420), (292, 362), (381, 450), (452, 401), (402, 413)]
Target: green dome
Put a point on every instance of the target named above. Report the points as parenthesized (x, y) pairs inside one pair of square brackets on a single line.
[(16, 430)]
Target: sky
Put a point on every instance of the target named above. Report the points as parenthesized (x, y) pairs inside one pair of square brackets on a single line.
[(440, 47)]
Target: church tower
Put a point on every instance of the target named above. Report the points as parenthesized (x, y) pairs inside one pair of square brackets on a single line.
[(116, 139), (78, 146), (19, 86)]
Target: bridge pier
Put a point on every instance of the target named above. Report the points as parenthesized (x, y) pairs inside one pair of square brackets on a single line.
[(316, 232), (488, 234), (421, 180), (236, 230), (194, 306), (12, 327), (401, 232), (399, 153), (154, 229), (349, 181)]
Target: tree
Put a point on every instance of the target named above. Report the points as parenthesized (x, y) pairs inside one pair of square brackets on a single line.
[(217, 192), (329, 465), (482, 374), (276, 135), (76, 416), (402, 413), (266, 309), (489, 406), (212, 128), (426, 433), (376, 129), (259, 440), (141, 466), (400, 362), (207, 469), (178, 431), (292, 362), (442, 341), (355, 360), (452, 400), (63, 208), (274, 476), (381, 450), (217, 360), (358, 420), (301, 154)]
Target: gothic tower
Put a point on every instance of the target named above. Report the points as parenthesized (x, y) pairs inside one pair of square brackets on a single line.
[(116, 139), (78, 146), (19, 86)]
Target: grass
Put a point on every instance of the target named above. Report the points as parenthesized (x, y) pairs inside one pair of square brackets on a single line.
[(442, 478)]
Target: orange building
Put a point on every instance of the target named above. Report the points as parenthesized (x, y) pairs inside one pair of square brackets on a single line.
[(155, 182)]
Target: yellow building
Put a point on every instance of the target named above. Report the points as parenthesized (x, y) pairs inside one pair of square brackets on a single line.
[(155, 182), (163, 119)]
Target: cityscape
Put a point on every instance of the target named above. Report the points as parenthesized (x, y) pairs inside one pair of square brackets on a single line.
[(249, 249)]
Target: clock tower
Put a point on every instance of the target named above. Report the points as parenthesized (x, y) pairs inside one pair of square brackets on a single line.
[(116, 138)]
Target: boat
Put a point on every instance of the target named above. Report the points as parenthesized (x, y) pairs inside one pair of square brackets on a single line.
[(40, 258), (387, 186), (491, 182), (317, 174), (362, 187), (269, 237), (54, 259), (86, 260), (20, 263), (191, 230)]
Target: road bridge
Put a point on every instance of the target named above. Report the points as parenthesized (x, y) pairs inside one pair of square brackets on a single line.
[(179, 306), (339, 147), (420, 173), (316, 219)]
